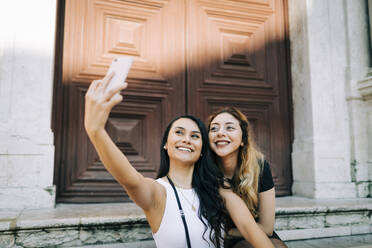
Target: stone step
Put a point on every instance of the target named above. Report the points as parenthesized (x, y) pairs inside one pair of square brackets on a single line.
[(76, 225), (304, 218)]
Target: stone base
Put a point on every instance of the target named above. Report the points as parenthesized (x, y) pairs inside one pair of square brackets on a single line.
[(303, 218), (74, 225)]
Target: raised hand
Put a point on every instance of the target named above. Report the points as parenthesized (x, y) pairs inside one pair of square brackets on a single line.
[(99, 102)]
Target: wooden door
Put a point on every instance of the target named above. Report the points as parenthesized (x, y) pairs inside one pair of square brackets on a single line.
[(96, 31), (189, 57), (236, 55)]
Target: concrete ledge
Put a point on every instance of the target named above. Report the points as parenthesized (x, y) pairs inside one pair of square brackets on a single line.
[(70, 225), (304, 218)]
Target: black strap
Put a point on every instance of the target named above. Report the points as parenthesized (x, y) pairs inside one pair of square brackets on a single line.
[(182, 213)]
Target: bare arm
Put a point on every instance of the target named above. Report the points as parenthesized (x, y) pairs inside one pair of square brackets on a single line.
[(98, 104), (266, 211), (244, 220)]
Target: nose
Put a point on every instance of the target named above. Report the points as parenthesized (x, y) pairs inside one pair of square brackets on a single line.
[(220, 132), (186, 139)]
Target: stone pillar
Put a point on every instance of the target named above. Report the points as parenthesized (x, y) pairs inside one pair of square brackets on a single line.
[(360, 102), (323, 46), (370, 21), (26, 86)]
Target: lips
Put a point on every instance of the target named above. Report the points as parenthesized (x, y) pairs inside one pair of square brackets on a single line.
[(184, 148)]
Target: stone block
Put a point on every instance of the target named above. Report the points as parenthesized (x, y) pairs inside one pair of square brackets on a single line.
[(46, 238), (361, 170), (281, 223), (302, 165), (331, 169), (7, 240), (3, 171), (306, 221), (363, 189), (135, 233), (346, 219), (27, 198), (47, 218), (360, 229), (306, 189), (314, 233), (335, 190), (96, 235), (30, 170)]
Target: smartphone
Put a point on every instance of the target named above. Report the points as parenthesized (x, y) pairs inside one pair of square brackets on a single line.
[(121, 66)]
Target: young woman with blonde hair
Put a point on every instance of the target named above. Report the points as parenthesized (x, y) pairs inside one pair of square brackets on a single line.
[(244, 166)]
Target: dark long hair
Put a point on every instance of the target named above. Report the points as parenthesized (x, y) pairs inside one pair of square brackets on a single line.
[(206, 181)]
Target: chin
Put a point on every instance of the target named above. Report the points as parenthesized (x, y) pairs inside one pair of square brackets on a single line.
[(186, 159), (220, 153)]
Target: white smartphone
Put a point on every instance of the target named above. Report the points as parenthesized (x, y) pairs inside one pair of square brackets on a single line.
[(121, 66)]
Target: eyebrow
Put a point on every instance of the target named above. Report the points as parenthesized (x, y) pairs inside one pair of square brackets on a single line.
[(216, 123), (185, 129)]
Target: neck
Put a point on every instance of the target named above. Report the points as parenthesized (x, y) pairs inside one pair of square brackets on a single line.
[(228, 164), (181, 174)]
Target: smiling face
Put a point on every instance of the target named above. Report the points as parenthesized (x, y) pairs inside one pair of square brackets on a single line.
[(225, 135), (184, 143)]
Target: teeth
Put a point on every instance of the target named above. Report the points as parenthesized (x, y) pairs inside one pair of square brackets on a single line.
[(222, 143), (184, 149)]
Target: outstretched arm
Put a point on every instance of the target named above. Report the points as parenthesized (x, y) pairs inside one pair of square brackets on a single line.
[(244, 220), (98, 104)]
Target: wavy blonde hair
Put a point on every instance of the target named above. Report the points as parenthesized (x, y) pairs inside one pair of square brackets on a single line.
[(248, 170)]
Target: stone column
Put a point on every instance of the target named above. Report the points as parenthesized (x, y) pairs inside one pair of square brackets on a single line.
[(26, 87), (360, 102), (322, 51)]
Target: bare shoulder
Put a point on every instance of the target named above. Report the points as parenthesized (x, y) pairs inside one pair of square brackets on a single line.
[(149, 195), (159, 190)]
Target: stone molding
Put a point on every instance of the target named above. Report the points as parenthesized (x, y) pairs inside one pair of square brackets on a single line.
[(365, 86), (70, 225)]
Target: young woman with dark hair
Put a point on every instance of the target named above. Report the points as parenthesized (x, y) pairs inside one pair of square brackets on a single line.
[(185, 206), (244, 166)]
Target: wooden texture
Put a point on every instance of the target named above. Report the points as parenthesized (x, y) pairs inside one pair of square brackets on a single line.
[(95, 32), (189, 57), (236, 56)]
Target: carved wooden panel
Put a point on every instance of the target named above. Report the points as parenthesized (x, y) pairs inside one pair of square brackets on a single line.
[(237, 56), (190, 56), (95, 32)]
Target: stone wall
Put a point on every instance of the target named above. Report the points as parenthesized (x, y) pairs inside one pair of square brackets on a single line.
[(26, 85), (329, 54)]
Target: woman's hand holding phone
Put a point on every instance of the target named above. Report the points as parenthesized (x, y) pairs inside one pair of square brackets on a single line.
[(102, 96)]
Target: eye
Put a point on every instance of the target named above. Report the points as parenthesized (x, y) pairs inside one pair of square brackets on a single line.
[(213, 129), (195, 136), (178, 132), (230, 128)]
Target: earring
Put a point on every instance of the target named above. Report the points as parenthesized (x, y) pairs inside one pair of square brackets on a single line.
[(164, 148), (242, 144), (201, 154)]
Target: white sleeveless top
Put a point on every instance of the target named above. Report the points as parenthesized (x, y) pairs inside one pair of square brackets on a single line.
[(171, 233)]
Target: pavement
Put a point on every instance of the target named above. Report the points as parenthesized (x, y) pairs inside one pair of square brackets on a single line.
[(355, 241)]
